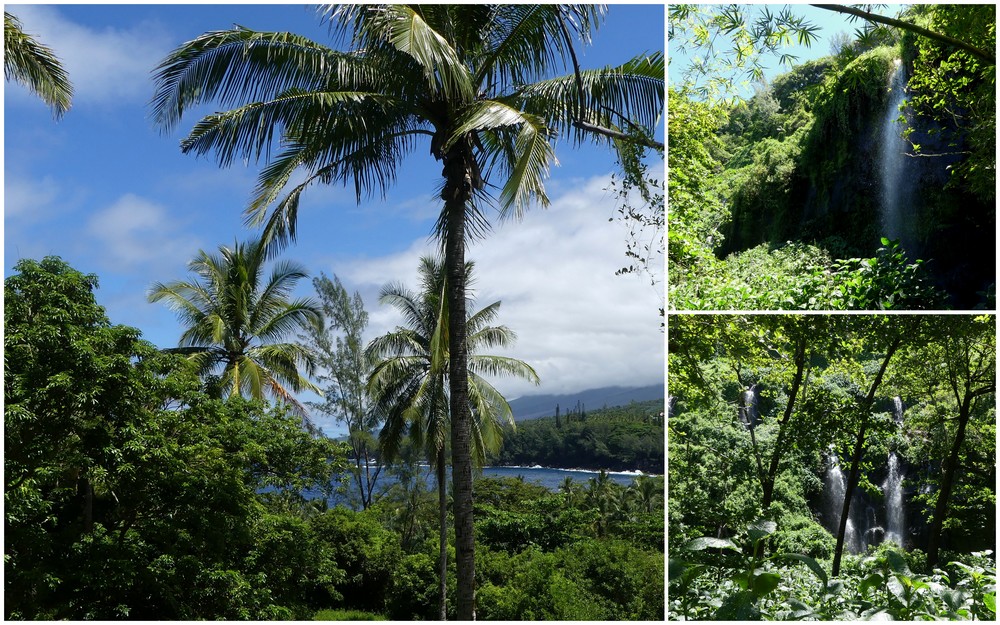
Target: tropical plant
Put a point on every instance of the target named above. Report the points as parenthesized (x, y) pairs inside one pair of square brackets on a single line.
[(466, 76), (409, 381), (32, 64), (345, 373), (235, 319)]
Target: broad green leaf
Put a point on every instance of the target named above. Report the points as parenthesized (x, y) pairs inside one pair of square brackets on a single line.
[(872, 581), (761, 529), (813, 565), (739, 606), (897, 562), (765, 583), (707, 542)]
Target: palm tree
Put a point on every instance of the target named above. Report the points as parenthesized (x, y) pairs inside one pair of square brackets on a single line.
[(648, 492), (29, 63), (236, 319), (409, 383), (471, 79)]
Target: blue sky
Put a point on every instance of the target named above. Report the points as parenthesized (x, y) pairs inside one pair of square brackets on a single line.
[(112, 195)]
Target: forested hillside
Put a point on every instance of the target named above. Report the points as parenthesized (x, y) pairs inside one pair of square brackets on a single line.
[(844, 182), (832, 467), (623, 438)]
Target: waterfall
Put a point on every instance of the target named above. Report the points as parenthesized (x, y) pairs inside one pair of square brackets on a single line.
[(834, 489), (897, 409), (893, 165), (895, 518)]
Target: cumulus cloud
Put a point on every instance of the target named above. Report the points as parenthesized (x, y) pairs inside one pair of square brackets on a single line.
[(579, 325), (107, 65), (135, 231)]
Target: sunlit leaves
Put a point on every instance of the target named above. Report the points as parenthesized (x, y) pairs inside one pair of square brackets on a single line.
[(733, 42)]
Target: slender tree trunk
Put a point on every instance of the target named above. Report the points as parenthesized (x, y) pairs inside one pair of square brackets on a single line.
[(779, 446), (859, 448), (459, 172), (948, 481), (442, 536)]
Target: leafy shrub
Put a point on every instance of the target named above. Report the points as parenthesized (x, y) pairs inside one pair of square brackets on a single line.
[(595, 580)]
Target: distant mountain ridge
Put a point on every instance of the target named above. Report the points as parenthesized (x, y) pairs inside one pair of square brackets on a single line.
[(535, 406)]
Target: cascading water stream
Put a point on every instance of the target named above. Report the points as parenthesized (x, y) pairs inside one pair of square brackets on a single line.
[(892, 488), (895, 519), (893, 164), (835, 487), (863, 529)]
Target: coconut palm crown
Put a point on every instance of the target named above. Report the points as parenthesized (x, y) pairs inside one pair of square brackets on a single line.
[(236, 319), (409, 381)]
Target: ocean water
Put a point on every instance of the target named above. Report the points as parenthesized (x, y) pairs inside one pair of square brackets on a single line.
[(553, 478), (549, 478)]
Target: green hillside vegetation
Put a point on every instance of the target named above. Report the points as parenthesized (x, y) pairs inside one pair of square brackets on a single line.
[(775, 200), (621, 438)]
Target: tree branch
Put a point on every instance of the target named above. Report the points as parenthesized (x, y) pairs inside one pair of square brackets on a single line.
[(888, 21), (616, 134)]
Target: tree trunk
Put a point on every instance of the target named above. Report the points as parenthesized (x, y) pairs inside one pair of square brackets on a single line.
[(442, 536), (859, 448), (772, 470), (460, 175), (948, 481)]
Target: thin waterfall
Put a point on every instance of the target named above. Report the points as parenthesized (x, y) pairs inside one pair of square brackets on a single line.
[(892, 487), (834, 489), (893, 164), (895, 517)]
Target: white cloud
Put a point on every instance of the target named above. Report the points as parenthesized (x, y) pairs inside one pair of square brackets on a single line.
[(578, 324), (28, 200), (134, 230), (106, 66)]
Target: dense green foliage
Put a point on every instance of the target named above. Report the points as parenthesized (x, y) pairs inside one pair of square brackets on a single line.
[(592, 553), (775, 200), (718, 579), (624, 438), (823, 385), (131, 493)]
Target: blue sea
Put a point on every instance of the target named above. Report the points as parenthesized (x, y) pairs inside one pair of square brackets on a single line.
[(549, 478)]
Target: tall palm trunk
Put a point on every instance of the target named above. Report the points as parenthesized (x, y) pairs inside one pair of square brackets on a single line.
[(442, 535), (459, 172)]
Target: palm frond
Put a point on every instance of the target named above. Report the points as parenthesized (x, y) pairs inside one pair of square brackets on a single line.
[(526, 40), (497, 366), (528, 171), (404, 28), (242, 65), (34, 65), (632, 94)]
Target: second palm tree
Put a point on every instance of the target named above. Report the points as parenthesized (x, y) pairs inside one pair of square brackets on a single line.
[(410, 383)]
